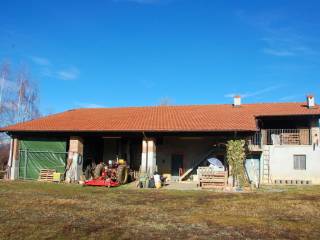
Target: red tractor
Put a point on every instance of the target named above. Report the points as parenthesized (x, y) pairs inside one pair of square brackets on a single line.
[(112, 175)]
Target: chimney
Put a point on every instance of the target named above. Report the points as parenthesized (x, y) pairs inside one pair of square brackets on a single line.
[(310, 101), (237, 101)]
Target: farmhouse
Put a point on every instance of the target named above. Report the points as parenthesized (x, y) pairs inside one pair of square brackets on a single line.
[(282, 138)]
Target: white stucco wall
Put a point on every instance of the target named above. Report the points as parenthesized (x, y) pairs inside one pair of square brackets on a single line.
[(281, 163)]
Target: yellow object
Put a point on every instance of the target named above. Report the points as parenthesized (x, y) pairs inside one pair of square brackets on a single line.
[(122, 162), (56, 177), (167, 176), (158, 185)]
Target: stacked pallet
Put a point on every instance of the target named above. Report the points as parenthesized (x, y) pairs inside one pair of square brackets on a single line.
[(46, 175), (211, 179)]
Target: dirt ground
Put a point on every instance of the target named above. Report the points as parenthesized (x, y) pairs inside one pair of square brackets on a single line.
[(33, 210)]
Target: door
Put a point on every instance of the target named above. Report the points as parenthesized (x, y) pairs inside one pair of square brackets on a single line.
[(176, 163)]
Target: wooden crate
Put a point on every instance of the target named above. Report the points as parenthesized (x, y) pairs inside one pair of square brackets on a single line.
[(46, 175)]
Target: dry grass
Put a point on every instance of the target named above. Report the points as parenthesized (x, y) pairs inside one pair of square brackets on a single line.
[(32, 210)]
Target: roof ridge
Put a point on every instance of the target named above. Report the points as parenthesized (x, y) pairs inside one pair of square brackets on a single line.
[(183, 105)]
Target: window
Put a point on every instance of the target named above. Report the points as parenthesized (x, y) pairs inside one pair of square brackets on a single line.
[(299, 162)]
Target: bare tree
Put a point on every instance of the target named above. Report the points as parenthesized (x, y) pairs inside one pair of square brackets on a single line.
[(18, 97), (26, 105), (4, 78), (19, 101)]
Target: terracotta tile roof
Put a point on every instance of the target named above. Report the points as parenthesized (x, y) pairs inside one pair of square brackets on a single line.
[(223, 117)]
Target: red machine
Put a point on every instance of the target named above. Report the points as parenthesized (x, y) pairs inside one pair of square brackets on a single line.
[(107, 179)]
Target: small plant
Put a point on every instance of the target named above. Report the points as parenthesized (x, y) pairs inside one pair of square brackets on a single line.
[(236, 156)]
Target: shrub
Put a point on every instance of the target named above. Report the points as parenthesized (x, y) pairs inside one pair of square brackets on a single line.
[(236, 155)]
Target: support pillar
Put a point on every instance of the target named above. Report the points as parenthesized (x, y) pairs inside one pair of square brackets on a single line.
[(75, 159), (264, 137), (315, 133), (148, 158), (14, 155)]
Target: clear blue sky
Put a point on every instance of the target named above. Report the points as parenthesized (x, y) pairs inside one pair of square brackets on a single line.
[(136, 52)]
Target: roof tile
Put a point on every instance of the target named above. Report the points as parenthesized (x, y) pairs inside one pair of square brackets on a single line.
[(223, 117)]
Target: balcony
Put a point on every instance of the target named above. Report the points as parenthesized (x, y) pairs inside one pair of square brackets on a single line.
[(279, 137)]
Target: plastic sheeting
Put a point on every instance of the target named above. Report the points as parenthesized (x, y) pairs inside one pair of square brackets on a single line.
[(253, 169), (45, 154), (216, 164)]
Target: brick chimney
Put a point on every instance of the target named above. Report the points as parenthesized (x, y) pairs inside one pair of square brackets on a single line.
[(237, 101), (310, 101)]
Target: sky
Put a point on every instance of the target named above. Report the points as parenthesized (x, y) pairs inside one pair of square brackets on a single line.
[(115, 53)]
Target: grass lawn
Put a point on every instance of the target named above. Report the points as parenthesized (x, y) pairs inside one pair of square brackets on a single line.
[(33, 210)]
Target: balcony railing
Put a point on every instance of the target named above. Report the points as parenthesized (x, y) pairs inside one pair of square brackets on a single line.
[(255, 139), (281, 137)]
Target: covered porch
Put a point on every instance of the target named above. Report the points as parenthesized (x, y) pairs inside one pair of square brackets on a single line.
[(172, 155)]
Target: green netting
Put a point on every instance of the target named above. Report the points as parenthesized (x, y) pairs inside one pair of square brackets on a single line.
[(44, 154)]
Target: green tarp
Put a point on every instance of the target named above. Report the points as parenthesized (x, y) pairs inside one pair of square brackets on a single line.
[(42, 154)]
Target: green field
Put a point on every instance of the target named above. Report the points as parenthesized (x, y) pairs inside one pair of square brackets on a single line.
[(32, 210)]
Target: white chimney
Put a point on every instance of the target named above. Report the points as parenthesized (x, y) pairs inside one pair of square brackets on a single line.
[(237, 101), (310, 101)]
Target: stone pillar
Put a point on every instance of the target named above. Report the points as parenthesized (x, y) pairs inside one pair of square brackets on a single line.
[(75, 159), (143, 167), (14, 153), (314, 132), (264, 137), (9, 164), (76, 145), (152, 159), (148, 158)]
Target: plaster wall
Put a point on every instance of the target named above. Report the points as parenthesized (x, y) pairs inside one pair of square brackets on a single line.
[(281, 163)]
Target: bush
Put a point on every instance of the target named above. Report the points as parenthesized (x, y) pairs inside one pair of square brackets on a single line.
[(236, 155)]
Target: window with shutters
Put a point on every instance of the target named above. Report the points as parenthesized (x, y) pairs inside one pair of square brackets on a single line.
[(299, 162)]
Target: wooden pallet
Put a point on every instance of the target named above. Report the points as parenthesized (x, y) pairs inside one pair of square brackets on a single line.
[(46, 175), (206, 185), (210, 179)]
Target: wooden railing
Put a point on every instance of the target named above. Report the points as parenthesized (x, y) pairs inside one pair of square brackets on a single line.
[(281, 137), (255, 139)]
